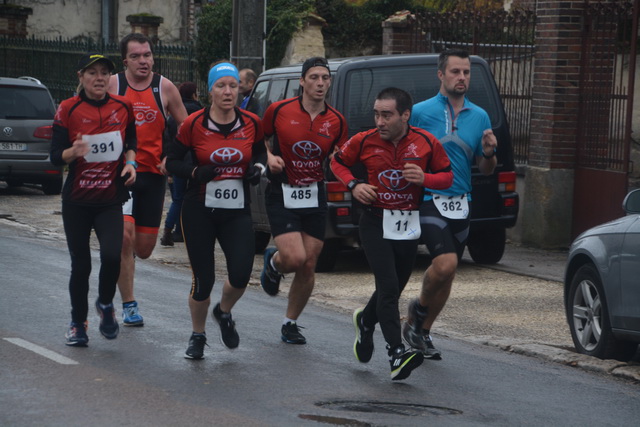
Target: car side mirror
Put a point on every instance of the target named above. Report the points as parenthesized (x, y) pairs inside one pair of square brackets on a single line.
[(631, 203)]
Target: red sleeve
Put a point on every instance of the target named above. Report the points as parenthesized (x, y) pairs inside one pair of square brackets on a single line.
[(441, 175), (347, 156), (184, 131), (267, 121)]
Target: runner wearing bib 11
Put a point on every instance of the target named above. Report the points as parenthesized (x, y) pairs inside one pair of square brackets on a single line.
[(303, 132), (399, 160), (464, 129), (227, 154)]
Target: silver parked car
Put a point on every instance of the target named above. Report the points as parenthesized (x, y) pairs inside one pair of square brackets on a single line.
[(602, 286), (26, 119)]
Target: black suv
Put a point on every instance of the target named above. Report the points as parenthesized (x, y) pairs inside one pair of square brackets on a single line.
[(355, 84), (26, 119)]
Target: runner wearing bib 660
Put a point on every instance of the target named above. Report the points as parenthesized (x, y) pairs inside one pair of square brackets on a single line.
[(304, 130), (228, 151), (399, 160)]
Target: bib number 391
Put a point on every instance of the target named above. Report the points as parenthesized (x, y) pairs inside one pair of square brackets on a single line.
[(300, 196), (453, 207), (400, 225), (103, 147), (225, 194)]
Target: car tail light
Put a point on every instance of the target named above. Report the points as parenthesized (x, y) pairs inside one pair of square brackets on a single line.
[(507, 182), (509, 202), (337, 192), (343, 212), (44, 132)]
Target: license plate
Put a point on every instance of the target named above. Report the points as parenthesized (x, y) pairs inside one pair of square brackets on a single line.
[(13, 146)]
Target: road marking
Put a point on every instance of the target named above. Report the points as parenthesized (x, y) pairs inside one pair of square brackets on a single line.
[(42, 351)]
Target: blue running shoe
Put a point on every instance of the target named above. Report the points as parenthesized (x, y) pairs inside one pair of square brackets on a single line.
[(108, 323), (131, 314), (270, 278), (77, 335)]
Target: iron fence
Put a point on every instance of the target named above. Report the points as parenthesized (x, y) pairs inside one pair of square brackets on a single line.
[(53, 61)]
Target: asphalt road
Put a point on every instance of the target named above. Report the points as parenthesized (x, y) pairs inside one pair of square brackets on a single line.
[(142, 378)]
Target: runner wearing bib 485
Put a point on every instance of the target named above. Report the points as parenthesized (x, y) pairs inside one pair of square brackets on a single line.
[(303, 132), (399, 160)]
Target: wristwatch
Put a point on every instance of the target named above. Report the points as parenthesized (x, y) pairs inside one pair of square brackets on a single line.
[(132, 163), (352, 184), (493, 153)]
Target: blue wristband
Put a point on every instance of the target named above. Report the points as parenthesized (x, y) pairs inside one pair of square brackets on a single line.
[(132, 163)]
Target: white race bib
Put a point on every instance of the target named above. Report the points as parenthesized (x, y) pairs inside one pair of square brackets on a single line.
[(401, 225), (300, 196), (225, 194), (127, 207), (103, 147), (453, 207)]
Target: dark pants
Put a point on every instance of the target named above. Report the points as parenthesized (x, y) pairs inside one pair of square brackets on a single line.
[(392, 263), (107, 221), (177, 189)]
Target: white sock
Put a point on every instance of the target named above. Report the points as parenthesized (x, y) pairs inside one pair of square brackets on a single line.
[(287, 320), (271, 262)]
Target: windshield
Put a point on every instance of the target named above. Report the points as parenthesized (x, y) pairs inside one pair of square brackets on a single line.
[(18, 102)]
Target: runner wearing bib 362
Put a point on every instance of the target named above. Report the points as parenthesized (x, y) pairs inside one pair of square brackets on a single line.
[(464, 129), (399, 160), (303, 131)]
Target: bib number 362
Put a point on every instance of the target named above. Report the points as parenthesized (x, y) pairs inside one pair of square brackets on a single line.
[(400, 225), (453, 207), (225, 194), (298, 197)]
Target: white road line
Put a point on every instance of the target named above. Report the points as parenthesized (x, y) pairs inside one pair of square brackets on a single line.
[(42, 351)]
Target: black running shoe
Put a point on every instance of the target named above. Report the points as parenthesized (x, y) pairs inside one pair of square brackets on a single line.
[(363, 345), (270, 278), (291, 334), (108, 323), (403, 362), (77, 335), (196, 346), (417, 314), (228, 334), (420, 341)]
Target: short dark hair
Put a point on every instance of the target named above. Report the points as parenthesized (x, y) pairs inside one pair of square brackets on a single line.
[(187, 90), (133, 37), (402, 98), (315, 61), (251, 75), (443, 59)]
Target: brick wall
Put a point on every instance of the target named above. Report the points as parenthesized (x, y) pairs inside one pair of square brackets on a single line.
[(13, 20)]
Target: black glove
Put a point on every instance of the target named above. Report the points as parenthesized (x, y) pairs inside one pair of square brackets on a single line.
[(205, 173), (252, 175)]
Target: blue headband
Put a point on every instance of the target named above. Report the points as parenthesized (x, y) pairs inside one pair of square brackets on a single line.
[(222, 70)]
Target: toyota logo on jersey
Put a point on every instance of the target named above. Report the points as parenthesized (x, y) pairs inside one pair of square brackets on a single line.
[(307, 150), (393, 180), (226, 156)]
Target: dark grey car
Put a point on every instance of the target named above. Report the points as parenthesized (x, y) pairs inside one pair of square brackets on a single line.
[(602, 286), (26, 119)]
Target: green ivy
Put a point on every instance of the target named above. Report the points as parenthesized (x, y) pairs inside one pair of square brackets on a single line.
[(214, 35)]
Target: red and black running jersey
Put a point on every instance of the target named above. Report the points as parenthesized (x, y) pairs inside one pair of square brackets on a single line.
[(231, 153), (150, 120), (302, 143), (384, 163), (96, 183)]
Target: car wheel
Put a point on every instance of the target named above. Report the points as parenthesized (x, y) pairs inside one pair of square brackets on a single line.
[(486, 245), (261, 240), (52, 188), (328, 256), (588, 317)]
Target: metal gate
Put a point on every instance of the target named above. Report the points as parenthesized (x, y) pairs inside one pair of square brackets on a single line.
[(605, 112)]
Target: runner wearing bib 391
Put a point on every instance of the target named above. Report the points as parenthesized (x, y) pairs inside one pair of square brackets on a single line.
[(399, 160), (303, 131), (464, 129)]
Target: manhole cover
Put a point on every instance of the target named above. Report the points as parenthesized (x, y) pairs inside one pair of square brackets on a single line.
[(407, 409)]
